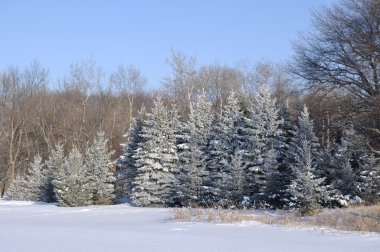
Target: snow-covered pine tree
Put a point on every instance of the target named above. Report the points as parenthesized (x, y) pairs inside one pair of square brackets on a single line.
[(71, 185), (192, 165), (346, 181), (273, 192), (37, 180), (125, 164), (265, 116), (252, 158), (306, 190), (326, 160), (156, 159), (236, 183), (32, 186), (19, 189), (370, 184), (304, 132), (267, 134), (343, 165), (277, 181), (54, 169), (335, 169), (354, 153), (200, 122), (177, 125), (224, 142), (99, 171)]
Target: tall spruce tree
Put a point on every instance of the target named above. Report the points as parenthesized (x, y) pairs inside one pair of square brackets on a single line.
[(71, 185), (236, 183), (274, 187), (343, 165), (192, 165), (265, 116), (370, 185), (99, 171), (306, 189), (156, 159), (252, 158), (304, 132), (18, 190), (32, 186), (278, 180), (126, 166), (37, 180), (224, 143), (266, 129), (348, 161), (54, 170)]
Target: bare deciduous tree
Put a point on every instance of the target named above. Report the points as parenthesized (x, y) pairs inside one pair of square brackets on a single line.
[(182, 85), (218, 82), (18, 88), (129, 81), (84, 79), (343, 53)]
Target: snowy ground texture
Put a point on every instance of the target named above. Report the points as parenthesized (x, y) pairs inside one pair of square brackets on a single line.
[(38, 227)]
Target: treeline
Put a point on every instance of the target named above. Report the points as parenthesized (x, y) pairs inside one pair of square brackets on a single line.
[(36, 115), (250, 155), (73, 180), (334, 72)]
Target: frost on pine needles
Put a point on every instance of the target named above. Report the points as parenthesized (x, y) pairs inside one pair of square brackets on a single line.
[(126, 166), (71, 186), (99, 171), (156, 159), (31, 187), (192, 150)]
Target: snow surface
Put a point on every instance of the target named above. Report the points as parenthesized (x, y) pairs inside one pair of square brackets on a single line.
[(27, 226)]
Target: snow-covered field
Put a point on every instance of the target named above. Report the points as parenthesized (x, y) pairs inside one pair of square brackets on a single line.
[(37, 227)]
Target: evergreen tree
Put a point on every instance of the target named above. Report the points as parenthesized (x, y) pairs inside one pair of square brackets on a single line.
[(343, 165), (346, 180), (266, 136), (278, 180), (54, 170), (235, 185), (370, 184), (37, 180), (32, 186), (99, 171), (345, 157), (252, 159), (192, 165), (71, 185), (19, 189), (156, 159), (275, 191), (304, 132), (265, 116), (224, 143), (307, 191), (126, 166)]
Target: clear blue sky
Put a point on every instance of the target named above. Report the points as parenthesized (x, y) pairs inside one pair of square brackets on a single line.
[(142, 32)]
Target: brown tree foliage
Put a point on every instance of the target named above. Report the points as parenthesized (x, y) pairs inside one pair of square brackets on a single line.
[(34, 118)]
